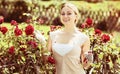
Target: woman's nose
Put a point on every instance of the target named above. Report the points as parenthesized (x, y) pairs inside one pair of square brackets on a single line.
[(65, 15)]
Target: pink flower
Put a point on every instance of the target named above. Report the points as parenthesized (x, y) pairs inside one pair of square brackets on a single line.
[(83, 25), (3, 30), (28, 20), (98, 32), (29, 30), (41, 21), (11, 50), (17, 31), (52, 28), (13, 22), (1, 19), (105, 38)]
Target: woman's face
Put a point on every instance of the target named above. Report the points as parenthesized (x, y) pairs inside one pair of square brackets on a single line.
[(67, 16)]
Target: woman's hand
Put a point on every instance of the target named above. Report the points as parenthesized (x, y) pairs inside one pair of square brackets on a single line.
[(88, 59), (39, 36)]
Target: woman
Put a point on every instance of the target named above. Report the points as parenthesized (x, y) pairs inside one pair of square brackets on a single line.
[(69, 45)]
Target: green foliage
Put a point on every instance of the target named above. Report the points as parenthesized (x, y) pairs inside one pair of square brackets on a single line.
[(42, 28), (106, 54), (19, 50)]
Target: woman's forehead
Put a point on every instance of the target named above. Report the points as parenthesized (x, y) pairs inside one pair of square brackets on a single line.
[(67, 9)]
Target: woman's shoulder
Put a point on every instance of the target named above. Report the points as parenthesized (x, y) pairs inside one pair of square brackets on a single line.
[(83, 35), (55, 32)]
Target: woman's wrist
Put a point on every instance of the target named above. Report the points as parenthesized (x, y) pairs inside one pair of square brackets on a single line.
[(88, 56)]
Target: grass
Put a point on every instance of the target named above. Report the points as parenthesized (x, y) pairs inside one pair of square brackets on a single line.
[(117, 38)]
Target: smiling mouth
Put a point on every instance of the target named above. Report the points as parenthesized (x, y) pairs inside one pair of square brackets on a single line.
[(66, 20)]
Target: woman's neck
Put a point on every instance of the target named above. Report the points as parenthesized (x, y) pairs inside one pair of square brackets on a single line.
[(70, 29)]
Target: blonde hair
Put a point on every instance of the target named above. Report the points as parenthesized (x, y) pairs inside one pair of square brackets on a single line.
[(73, 7)]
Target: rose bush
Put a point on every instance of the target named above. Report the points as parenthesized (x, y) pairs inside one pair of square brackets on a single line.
[(106, 53), (22, 51), (19, 48)]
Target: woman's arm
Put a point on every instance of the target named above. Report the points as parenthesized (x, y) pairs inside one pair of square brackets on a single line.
[(85, 55), (48, 51), (49, 44)]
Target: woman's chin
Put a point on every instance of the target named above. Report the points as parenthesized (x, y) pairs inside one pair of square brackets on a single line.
[(66, 23)]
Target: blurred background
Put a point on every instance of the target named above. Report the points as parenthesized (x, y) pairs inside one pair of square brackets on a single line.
[(105, 13)]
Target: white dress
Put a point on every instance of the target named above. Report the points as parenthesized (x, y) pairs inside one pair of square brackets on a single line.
[(67, 56)]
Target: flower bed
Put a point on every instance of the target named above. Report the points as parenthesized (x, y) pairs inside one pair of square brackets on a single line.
[(21, 52)]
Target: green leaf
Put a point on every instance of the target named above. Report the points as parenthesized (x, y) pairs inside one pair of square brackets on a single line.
[(23, 58)]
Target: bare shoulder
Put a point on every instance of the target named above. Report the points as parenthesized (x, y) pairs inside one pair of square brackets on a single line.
[(83, 35), (54, 33)]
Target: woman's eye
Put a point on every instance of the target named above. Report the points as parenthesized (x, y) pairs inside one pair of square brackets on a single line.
[(66, 13), (62, 13), (69, 13)]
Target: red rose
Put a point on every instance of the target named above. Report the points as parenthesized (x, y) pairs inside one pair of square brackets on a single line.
[(51, 60), (52, 28), (33, 44), (11, 50), (98, 32), (83, 25), (22, 49), (13, 22), (29, 30), (1, 20), (105, 38), (17, 31), (3, 30), (89, 22)]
